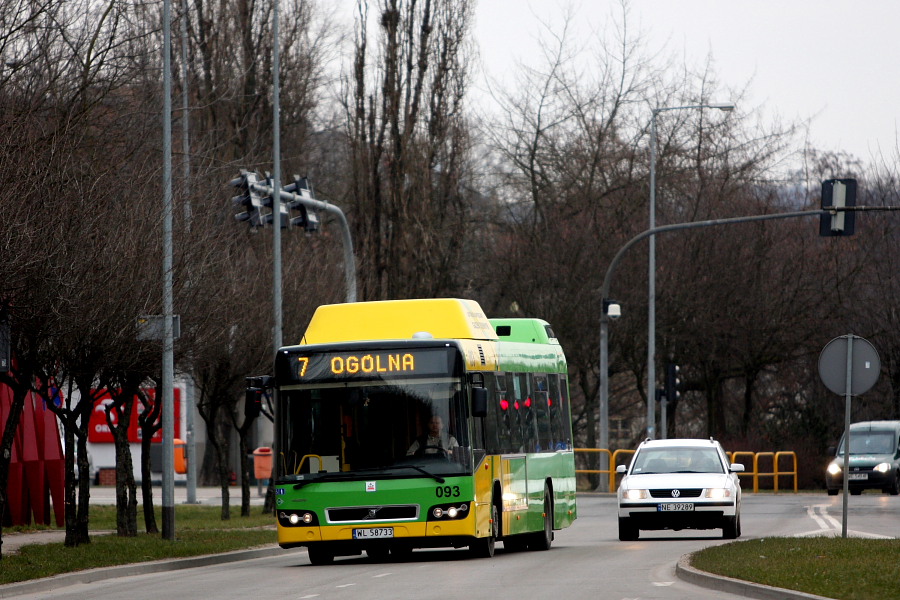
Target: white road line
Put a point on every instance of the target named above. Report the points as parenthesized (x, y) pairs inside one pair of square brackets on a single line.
[(381, 575), (345, 585), (830, 526), (811, 512)]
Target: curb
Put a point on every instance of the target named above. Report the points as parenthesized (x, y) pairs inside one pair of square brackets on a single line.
[(47, 584), (720, 583)]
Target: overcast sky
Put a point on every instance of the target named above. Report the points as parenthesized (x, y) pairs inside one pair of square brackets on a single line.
[(835, 62)]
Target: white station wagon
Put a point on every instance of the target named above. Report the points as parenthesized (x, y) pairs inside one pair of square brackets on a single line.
[(679, 484)]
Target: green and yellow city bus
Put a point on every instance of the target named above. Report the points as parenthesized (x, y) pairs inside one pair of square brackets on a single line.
[(421, 424)]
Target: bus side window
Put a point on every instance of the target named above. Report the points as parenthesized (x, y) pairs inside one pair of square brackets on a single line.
[(517, 414), (542, 414), (565, 416), (492, 442), (554, 403)]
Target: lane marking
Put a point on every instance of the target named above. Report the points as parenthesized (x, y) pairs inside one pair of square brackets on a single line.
[(382, 575), (830, 526)]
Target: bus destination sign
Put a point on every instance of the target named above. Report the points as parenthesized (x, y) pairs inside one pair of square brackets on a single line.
[(377, 364)]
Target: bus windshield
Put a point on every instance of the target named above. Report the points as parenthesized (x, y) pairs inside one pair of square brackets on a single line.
[(397, 428)]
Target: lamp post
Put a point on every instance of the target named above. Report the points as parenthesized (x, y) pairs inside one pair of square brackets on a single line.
[(651, 276)]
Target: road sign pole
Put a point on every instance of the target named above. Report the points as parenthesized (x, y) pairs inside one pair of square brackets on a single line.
[(847, 395)]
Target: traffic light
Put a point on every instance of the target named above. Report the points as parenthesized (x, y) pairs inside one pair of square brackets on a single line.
[(672, 382), (838, 193), (252, 403), (305, 217), (269, 203), (256, 392), (248, 199)]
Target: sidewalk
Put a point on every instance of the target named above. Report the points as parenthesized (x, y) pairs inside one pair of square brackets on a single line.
[(209, 496), (106, 494)]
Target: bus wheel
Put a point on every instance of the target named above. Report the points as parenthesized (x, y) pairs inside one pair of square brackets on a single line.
[(319, 555), (484, 547), (543, 540)]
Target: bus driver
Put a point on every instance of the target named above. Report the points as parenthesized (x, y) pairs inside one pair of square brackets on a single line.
[(437, 441)]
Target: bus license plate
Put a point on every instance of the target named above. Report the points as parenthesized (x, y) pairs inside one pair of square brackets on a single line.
[(675, 506), (373, 533), (858, 476)]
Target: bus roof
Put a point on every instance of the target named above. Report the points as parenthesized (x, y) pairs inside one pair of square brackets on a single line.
[(442, 318), (530, 331)]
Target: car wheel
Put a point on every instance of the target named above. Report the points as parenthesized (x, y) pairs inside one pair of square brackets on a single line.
[(319, 555), (894, 490), (732, 528), (832, 492), (628, 531)]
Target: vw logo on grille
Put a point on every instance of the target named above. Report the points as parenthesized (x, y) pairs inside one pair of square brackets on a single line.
[(676, 493)]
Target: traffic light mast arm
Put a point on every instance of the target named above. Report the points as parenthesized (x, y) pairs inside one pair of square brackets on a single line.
[(607, 279), (349, 258)]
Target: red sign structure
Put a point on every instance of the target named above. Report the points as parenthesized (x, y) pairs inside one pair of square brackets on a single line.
[(99, 433), (36, 469)]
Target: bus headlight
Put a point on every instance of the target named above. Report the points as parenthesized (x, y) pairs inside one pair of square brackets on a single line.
[(446, 512), (297, 518)]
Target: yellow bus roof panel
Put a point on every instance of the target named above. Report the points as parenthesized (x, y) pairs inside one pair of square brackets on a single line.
[(442, 318)]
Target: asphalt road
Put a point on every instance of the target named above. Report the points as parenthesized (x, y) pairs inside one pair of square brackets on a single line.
[(586, 561)]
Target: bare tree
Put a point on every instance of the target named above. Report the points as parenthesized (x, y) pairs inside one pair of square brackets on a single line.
[(409, 146)]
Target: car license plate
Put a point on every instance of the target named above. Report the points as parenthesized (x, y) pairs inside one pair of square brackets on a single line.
[(675, 506), (373, 533), (858, 476)]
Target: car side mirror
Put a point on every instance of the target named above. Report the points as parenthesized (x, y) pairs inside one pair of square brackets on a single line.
[(832, 450), (621, 469), (736, 468)]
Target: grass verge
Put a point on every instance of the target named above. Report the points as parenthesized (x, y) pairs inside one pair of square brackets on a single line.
[(199, 530), (842, 568)]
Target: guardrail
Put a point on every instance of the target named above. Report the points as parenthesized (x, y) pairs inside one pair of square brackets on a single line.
[(748, 459), (775, 473)]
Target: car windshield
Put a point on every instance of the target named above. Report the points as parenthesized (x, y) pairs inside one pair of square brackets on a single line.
[(677, 460), (870, 442)]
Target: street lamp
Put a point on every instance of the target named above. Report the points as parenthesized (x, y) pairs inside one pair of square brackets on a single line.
[(651, 277)]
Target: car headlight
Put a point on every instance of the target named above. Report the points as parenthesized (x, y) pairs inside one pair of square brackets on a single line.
[(635, 494), (717, 493), (834, 469), (883, 467)]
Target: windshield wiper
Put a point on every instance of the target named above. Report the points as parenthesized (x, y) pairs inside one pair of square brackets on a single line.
[(437, 478), (322, 478), (353, 474)]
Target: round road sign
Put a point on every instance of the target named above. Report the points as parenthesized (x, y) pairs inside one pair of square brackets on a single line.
[(864, 370)]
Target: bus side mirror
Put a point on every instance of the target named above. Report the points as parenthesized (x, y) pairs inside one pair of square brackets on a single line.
[(479, 402)]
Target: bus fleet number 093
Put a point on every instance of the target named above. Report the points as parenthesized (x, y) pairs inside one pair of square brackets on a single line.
[(447, 491)]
